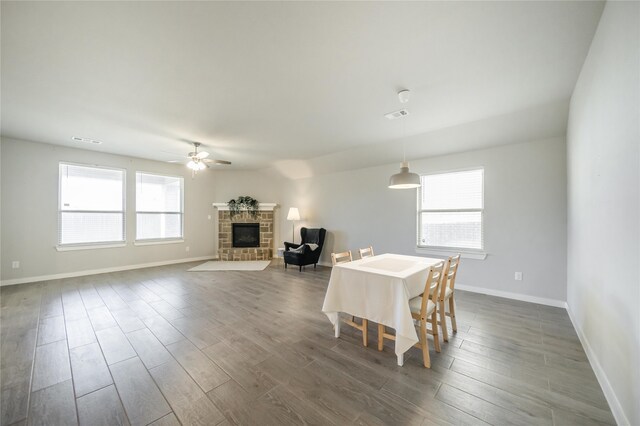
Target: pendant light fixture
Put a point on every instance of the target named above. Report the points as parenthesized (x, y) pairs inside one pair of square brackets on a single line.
[(405, 179)]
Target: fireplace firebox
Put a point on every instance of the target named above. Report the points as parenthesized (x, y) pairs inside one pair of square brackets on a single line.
[(246, 235)]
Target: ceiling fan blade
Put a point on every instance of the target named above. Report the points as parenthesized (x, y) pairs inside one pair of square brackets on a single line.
[(217, 161), (202, 155)]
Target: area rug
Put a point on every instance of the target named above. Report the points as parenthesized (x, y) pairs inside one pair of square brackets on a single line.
[(243, 265)]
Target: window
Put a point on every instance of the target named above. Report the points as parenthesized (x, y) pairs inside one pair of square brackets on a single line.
[(450, 207), (91, 205), (158, 207)]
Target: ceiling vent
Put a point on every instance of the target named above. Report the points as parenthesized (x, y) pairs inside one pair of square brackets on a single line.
[(397, 114), (86, 140)]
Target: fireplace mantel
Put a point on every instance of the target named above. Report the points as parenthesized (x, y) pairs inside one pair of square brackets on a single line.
[(262, 206)]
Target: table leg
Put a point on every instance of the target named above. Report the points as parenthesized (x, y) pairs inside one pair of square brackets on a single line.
[(400, 360), (337, 328)]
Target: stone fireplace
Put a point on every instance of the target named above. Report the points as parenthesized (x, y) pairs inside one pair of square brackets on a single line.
[(245, 237)]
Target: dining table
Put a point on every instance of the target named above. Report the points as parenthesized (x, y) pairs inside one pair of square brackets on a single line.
[(378, 288)]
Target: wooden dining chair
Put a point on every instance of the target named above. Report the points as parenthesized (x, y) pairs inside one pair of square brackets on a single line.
[(344, 257), (366, 252), (423, 309), (447, 294)]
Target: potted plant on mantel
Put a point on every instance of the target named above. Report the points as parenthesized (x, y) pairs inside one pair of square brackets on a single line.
[(243, 202)]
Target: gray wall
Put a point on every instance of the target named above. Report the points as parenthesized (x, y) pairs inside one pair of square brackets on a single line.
[(603, 154), (29, 212), (525, 214)]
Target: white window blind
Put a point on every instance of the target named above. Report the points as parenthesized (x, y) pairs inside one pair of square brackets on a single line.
[(450, 210), (159, 204), (91, 205)]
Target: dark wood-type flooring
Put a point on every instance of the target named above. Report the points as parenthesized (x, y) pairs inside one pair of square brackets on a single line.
[(164, 346)]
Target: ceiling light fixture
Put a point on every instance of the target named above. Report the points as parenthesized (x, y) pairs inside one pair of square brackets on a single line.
[(405, 179)]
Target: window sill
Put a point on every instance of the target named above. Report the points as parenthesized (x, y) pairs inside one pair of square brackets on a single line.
[(157, 242), (478, 255), (89, 246)]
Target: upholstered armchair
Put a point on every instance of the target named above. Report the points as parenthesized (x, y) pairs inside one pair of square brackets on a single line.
[(302, 253)]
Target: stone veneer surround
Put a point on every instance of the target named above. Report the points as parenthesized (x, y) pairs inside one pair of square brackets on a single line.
[(226, 251)]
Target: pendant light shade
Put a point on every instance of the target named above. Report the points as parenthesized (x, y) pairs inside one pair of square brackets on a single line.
[(405, 179)]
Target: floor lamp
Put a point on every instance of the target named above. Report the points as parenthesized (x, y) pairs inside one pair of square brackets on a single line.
[(293, 215)]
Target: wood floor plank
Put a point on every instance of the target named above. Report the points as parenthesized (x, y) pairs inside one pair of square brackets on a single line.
[(51, 365), (16, 363), (143, 402), (196, 330), (149, 349), (90, 371), (115, 345), (238, 407), (163, 330), (51, 329), (168, 420), (290, 409), (127, 320), (252, 380), (484, 410), (189, 403), (101, 408), (101, 318), (204, 371), (79, 332), (54, 405), (166, 310)]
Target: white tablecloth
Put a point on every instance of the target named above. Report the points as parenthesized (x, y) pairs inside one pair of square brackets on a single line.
[(378, 288)]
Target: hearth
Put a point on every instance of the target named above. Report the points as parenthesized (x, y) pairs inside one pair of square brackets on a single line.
[(246, 235)]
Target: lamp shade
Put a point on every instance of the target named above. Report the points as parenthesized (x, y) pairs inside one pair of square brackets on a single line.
[(404, 179), (294, 214)]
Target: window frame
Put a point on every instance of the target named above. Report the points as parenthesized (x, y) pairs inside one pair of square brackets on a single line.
[(94, 244), (475, 253), (152, 241)]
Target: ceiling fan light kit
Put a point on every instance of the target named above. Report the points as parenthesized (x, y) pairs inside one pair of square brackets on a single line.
[(198, 160), (196, 165)]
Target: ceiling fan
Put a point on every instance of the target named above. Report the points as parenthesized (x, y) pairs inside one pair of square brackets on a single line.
[(199, 161)]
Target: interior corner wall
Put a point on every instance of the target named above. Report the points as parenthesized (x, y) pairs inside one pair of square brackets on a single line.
[(524, 216), (603, 154), (29, 213)]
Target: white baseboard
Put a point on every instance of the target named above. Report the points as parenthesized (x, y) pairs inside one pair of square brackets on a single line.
[(607, 389), (515, 296), (102, 270)]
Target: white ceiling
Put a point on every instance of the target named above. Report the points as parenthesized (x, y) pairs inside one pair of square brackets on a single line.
[(271, 84)]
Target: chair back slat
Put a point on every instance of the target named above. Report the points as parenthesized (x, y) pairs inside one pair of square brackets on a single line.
[(452, 270), (433, 286), (343, 257), (366, 252)]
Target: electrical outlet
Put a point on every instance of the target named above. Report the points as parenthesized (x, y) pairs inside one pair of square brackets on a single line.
[(187, 248), (15, 264), (209, 217), (518, 276)]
